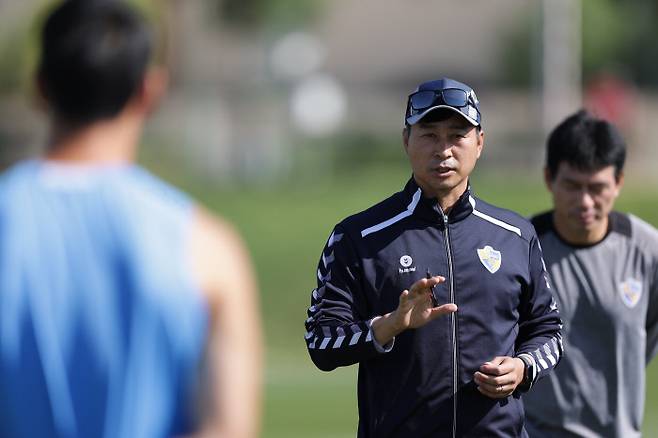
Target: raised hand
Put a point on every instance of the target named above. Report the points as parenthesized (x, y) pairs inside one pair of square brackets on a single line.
[(415, 309)]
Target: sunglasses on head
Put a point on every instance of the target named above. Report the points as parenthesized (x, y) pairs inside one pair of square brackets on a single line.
[(455, 97)]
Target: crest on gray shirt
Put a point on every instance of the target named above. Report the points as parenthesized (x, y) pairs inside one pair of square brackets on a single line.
[(630, 291)]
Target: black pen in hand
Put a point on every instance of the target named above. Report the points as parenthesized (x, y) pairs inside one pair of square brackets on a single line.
[(435, 301)]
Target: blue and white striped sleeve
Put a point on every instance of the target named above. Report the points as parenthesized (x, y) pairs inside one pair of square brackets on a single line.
[(540, 324), (338, 333)]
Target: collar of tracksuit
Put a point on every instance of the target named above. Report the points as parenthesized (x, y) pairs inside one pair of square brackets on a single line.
[(428, 208)]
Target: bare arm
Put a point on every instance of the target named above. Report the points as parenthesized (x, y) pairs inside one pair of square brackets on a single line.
[(235, 352)]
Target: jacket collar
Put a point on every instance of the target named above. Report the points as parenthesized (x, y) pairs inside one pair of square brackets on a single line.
[(428, 208)]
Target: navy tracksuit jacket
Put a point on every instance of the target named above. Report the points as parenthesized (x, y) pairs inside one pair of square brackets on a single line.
[(422, 385)]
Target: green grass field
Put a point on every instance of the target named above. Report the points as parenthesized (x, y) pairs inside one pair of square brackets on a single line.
[(286, 228)]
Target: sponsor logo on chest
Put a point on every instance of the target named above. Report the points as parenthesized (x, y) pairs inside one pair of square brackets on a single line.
[(406, 261)]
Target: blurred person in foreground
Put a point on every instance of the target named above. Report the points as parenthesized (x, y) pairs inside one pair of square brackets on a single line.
[(126, 309), (440, 297), (604, 266)]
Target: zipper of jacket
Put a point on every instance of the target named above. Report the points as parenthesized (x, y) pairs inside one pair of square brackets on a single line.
[(453, 321)]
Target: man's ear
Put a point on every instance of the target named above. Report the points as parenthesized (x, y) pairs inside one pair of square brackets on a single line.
[(405, 137), (153, 88), (548, 179), (480, 145), (620, 182)]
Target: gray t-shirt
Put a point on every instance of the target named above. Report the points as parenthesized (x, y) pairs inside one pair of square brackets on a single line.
[(608, 299)]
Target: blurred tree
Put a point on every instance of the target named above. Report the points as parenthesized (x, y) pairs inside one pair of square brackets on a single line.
[(614, 33), (14, 50), (605, 34), (520, 57), (641, 51), (266, 14)]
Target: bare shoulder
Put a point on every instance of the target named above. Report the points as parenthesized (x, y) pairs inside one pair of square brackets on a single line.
[(214, 235), (222, 266), (220, 261)]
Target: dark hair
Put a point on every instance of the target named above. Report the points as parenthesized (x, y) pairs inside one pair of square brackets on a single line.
[(94, 56), (586, 143)]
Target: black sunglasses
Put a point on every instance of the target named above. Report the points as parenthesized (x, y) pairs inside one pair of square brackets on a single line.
[(421, 100)]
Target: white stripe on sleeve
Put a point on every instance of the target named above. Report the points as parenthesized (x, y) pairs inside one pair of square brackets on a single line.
[(355, 338)]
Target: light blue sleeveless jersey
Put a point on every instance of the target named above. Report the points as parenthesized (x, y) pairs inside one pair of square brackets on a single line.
[(102, 328)]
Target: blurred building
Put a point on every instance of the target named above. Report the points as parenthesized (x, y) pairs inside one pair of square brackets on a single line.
[(250, 104)]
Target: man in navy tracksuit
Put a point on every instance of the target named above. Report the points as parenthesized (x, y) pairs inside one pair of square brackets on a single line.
[(441, 298)]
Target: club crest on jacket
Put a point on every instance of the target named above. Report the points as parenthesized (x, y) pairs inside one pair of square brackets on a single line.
[(490, 258)]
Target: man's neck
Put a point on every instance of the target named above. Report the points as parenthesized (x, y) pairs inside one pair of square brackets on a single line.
[(578, 237), (104, 142), (446, 199)]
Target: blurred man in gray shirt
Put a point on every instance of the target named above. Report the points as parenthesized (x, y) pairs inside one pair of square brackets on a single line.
[(604, 269)]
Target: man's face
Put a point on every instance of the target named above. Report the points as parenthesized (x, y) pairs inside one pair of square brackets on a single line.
[(582, 201), (443, 154)]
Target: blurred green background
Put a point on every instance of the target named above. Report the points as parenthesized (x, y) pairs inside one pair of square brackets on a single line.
[(285, 117)]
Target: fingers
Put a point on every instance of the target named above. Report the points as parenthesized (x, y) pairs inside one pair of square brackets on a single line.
[(495, 386), (496, 379), (404, 301), (497, 366), (424, 284), (493, 382), (443, 310), (407, 298), (501, 391)]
